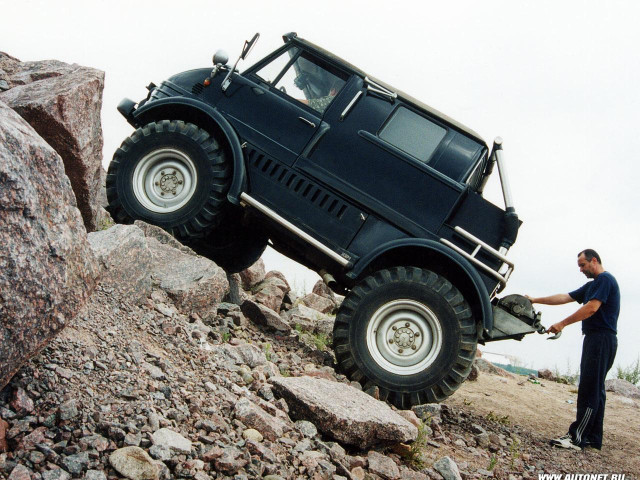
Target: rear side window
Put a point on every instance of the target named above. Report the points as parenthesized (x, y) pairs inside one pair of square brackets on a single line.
[(413, 134)]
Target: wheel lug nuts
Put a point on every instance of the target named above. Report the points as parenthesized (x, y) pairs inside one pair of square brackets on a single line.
[(162, 193), (391, 341), (406, 324), (174, 172), (413, 347), (400, 350), (157, 184), (179, 182), (162, 172), (394, 328)]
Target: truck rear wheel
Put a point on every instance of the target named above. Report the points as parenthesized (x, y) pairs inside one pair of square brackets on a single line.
[(171, 174), (408, 333)]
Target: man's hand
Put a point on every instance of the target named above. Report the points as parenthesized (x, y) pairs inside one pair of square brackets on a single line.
[(556, 327), (531, 299)]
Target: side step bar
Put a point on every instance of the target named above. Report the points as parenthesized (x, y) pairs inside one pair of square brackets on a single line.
[(244, 198)]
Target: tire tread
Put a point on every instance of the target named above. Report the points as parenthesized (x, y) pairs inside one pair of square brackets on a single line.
[(452, 380), (208, 216)]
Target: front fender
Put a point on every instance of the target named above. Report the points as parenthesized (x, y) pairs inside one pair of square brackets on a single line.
[(432, 246), (205, 116)]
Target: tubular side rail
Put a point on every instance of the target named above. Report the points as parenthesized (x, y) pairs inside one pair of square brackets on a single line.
[(502, 278)]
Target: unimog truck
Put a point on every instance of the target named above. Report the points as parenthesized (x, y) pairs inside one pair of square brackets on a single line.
[(374, 190)]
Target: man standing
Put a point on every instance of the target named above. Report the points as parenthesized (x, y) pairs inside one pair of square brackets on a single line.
[(600, 301)]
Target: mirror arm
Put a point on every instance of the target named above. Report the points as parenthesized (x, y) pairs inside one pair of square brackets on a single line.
[(248, 45), (227, 80)]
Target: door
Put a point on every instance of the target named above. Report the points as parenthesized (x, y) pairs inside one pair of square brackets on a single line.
[(279, 107)]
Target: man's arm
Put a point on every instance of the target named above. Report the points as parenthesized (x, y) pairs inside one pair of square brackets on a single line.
[(558, 299), (581, 314)]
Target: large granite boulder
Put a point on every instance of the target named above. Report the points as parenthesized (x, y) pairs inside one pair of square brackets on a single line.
[(622, 387), (125, 258), (47, 269), (194, 283), (62, 103), (137, 257), (343, 412)]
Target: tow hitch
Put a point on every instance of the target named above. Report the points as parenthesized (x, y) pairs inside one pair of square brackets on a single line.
[(555, 337)]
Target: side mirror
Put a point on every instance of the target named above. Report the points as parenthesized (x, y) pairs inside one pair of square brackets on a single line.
[(248, 45), (220, 58)]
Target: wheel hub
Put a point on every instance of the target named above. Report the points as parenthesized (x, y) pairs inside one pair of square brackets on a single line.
[(164, 180), (169, 184), (404, 337)]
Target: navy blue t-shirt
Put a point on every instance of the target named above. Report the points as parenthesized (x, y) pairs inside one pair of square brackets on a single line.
[(604, 288)]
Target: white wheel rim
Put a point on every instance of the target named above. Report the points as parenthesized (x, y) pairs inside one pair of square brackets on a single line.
[(164, 180), (404, 337)]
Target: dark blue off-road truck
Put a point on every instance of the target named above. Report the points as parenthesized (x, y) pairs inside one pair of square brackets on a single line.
[(376, 191)]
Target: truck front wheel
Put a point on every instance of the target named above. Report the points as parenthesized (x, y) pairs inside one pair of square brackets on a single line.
[(171, 174), (406, 333)]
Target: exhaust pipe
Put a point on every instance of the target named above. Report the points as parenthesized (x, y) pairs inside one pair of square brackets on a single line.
[(511, 221), (328, 279)]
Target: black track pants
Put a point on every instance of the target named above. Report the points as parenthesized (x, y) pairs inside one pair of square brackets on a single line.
[(598, 352)]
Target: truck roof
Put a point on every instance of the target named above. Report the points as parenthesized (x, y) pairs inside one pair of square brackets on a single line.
[(293, 37)]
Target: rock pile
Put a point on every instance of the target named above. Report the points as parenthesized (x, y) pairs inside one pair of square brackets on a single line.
[(145, 386), (142, 386)]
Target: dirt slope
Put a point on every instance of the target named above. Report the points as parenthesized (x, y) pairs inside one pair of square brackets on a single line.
[(538, 412)]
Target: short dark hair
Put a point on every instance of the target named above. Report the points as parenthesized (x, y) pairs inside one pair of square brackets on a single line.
[(590, 254)]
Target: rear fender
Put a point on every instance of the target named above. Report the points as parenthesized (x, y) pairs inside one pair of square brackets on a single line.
[(431, 250), (205, 116)]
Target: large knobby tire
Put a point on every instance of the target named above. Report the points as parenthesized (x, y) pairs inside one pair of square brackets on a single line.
[(406, 333), (232, 246), (171, 174)]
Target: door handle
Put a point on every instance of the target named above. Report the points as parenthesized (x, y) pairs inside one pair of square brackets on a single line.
[(308, 122)]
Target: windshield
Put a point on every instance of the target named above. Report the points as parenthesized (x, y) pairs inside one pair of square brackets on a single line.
[(304, 78)]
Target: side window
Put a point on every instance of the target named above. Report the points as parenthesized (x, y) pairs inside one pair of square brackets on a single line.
[(307, 79), (413, 134)]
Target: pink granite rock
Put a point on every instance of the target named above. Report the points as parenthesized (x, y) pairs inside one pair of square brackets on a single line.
[(47, 269)]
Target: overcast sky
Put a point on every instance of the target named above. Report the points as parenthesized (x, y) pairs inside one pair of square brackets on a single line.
[(559, 81)]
